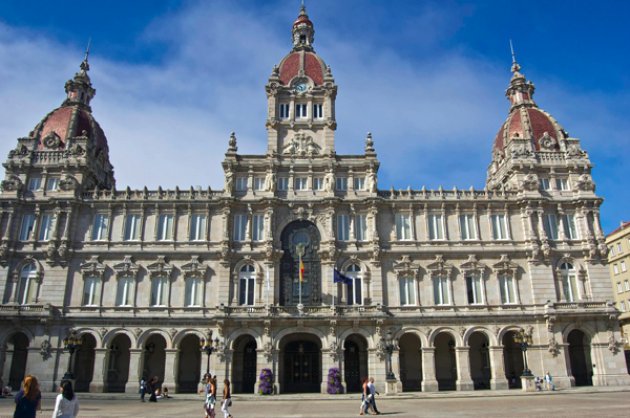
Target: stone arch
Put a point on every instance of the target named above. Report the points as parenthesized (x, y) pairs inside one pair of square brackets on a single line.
[(188, 360), (588, 331), (244, 356), (154, 345), (445, 340), (305, 330), (455, 335), (300, 361), (579, 353), (7, 336), (146, 334), (280, 228), (84, 360), (118, 343), (15, 349), (236, 334), (370, 338), (424, 341), (514, 364), (479, 343), (492, 340), (177, 340), (113, 333), (505, 330), (355, 352), (34, 287), (93, 333)]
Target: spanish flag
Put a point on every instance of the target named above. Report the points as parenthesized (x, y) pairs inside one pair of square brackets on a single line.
[(301, 270)]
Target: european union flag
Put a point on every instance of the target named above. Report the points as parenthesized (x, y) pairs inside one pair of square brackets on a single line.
[(339, 277)]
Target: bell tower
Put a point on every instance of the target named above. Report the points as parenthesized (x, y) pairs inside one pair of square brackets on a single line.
[(301, 95)]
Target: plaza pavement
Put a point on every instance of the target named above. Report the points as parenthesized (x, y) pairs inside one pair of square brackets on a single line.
[(575, 402)]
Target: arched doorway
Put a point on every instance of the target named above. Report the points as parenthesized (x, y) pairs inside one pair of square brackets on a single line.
[(244, 365), (154, 358), (300, 234), (513, 360), (445, 363), (355, 362), (410, 362), (117, 364), (84, 363), (300, 362), (188, 365), (479, 360), (17, 352), (580, 358)]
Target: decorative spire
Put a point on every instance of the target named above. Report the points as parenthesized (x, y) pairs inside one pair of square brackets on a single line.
[(303, 32), (79, 90), (520, 91)]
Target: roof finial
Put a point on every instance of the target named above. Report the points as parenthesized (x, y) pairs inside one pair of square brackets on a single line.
[(85, 66), (302, 8), (515, 66)]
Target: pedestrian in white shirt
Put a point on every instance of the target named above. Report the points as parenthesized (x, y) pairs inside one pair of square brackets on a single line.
[(372, 395), (66, 404)]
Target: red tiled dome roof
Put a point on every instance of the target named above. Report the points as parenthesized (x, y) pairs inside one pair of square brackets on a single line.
[(530, 123), (314, 67)]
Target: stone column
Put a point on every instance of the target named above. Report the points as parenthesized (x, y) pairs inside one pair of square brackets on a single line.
[(99, 376), (498, 380), (429, 382), (327, 363), (170, 368), (464, 381), (135, 369)]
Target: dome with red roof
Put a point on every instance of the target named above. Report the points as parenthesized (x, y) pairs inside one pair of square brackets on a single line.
[(302, 62)]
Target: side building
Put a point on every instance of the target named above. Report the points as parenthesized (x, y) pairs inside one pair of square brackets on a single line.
[(436, 283), (618, 243)]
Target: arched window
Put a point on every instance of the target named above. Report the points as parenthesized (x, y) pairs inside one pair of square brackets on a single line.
[(91, 291), (568, 276), (355, 288), (246, 278), (27, 290)]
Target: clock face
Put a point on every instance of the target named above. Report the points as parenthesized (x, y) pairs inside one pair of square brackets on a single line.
[(300, 87)]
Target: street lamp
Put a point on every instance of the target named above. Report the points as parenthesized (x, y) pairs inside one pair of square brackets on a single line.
[(208, 346), (524, 340), (387, 344), (71, 343)]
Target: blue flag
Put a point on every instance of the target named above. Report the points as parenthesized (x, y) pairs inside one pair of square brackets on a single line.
[(339, 277)]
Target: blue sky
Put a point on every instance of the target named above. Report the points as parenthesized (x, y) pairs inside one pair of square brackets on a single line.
[(174, 78)]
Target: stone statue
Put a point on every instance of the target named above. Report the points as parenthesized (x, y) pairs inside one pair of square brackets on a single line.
[(270, 182), (229, 181), (329, 181), (371, 182)]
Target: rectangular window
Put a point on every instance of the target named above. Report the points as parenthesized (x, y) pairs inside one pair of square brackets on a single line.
[(359, 183), (193, 292), (259, 183), (550, 222), (627, 285), (622, 306), (318, 183), (624, 268), (300, 183), (355, 289), (241, 184), (403, 226), (124, 294), (619, 250), (615, 269), (198, 225), (341, 183), (246, 288), (132, 228), (28, 221), (165, 228), (283, 184), (360, 227), (46, 227), (619, 288), (562, 184), (343, 227), (283, 110), (300, 110), (499, 226), (436, 227), (159, 291), (99, 227), (440, 290), (407, 291), (506, 284), (52, 184), (34, 183), (91, 291), (258, 227), (318, 111), (544, 184), (240, 227), (570, 230), (474, 290), (467, 227)]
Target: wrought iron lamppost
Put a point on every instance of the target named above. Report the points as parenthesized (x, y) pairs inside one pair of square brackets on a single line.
[(71, 343), (209, 346), (524, 340), (387, 344)]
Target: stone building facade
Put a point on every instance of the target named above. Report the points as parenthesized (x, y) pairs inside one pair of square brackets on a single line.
[(142, 276)]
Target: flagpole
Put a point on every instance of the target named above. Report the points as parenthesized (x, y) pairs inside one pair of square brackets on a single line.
[(300, 275), (334, 290)]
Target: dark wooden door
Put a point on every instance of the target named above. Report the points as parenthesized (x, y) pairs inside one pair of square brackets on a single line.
[(249, 367), (352, 367), (301, 367)]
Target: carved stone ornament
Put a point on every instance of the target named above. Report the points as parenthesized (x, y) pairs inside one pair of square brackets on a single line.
[(404, 267), (530, 182), (45, 350), (613, 345), (554, 348), (12, 184), (68, 183), (369, 143), (585, 183), (301, 145), (93, 267), (195, 268), (161, 267), (52, 141), (127, 267), (547, 142), (138, 332), (232, 143)]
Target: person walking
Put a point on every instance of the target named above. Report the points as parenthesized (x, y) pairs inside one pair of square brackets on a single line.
[(227, 399), (372, 395), (365, 398), (66, 404), (143, 388), (29, 399), (549, 381), (153, 385)]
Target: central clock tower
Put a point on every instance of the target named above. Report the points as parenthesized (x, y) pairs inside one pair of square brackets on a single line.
[(301, 95)]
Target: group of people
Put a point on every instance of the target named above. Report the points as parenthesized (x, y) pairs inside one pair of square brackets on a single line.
[(152, 386), (368, 397), (29, 400), (547, 380), (210, 390)]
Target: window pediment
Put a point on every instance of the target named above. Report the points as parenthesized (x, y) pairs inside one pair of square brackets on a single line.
[(128, 268), (472, 265), (406, 268), (505, 266), (440, 267), (93, 267), (160, 268), (194, 268)]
